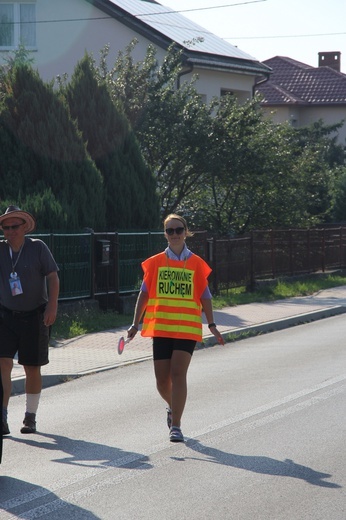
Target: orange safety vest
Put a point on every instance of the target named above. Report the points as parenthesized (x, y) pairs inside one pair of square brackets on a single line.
[(175, 288)]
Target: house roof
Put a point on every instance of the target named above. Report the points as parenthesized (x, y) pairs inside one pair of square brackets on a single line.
[(293, 82), (162, 25)]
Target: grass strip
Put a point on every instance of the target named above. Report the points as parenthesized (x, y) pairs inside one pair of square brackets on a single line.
[(70, 324)]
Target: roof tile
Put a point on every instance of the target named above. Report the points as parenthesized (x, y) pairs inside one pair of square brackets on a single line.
[(293, 82)]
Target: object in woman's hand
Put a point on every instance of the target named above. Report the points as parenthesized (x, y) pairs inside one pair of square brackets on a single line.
[(121, 344)]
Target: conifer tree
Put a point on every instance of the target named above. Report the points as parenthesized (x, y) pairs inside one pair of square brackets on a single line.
[(42, 150), (44, 207), (130, 188)]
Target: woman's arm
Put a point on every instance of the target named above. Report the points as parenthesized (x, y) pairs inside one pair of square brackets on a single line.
[(208, 311), (140, 307)]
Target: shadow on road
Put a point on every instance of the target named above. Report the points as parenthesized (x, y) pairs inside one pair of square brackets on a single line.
[(261, 464), (87, 454), (25, 500)]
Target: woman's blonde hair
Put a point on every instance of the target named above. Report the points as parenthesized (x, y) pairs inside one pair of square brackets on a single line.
[(181, 219)]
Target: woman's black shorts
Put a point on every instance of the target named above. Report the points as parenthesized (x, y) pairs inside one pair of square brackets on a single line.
[(163, 347)]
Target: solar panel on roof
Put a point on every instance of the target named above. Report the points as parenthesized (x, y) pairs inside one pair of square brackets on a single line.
[(180, 29)]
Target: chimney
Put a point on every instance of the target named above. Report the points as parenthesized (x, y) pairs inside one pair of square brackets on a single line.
[(330, 59)]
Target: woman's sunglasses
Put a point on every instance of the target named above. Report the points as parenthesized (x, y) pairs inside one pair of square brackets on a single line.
[(178, 230)]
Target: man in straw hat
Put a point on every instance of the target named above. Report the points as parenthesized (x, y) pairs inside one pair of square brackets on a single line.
[(27, 270)]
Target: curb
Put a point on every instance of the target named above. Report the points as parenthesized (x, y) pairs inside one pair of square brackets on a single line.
[(272, 326), (18, 384)]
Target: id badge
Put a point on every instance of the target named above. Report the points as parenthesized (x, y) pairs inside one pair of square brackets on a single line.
[(15, 285)]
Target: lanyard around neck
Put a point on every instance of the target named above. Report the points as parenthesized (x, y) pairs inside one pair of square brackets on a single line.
[(11, 255), (168, 266)]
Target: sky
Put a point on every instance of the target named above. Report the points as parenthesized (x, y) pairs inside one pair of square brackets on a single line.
[(298, 29)]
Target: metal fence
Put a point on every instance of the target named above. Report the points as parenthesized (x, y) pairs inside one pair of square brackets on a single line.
[(74, 256), (107, 266), (269, 254)]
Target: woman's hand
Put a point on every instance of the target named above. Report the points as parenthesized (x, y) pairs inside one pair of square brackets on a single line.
[(132, 331), (217, 335)]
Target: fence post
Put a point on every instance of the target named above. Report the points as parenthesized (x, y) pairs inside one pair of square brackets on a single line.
[(206, 245), (92, 265), (340, 249), (116, 266), (252, 266), (272, 253), (214, 265), (291, 252), (323, 259)]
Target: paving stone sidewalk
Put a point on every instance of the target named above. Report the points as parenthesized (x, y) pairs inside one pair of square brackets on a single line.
[(97, 352)]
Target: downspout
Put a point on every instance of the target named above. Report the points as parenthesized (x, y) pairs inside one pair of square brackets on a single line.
[(266, 78)]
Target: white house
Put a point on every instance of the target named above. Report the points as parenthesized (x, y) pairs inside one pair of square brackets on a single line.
[(302, 94), (58, 32)]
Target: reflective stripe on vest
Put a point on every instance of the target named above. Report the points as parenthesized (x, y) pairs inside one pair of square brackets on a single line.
[(173, 318), (174, 308)]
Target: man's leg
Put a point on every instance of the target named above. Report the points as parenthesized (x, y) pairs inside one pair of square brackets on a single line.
[(6, 365), (33, 387), (33, 383), (1, 426)]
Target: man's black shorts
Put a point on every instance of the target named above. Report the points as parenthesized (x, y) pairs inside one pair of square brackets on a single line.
[(26, 334), (163, 347)]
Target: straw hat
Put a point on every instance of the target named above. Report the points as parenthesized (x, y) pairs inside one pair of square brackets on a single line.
[(15, 212)]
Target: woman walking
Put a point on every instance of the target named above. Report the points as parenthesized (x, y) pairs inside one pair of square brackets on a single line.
[(173, 294)]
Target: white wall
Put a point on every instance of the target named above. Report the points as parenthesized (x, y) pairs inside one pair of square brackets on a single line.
[(66, 29), (61, 45), (306, 115), (211, 82), (330, 116)]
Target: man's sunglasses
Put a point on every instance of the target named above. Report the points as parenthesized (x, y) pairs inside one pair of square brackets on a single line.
[(178, 230), (15, 226)]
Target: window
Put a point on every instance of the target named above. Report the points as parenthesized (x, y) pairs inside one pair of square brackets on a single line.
[(17, 25), (226, 92)]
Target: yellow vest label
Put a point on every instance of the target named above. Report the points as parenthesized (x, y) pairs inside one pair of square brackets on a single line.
[(175, 282)]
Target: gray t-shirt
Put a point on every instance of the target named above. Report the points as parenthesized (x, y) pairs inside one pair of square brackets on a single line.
[(34, 264)]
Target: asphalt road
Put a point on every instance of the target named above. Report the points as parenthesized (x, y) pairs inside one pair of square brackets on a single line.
[(265, 427)]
